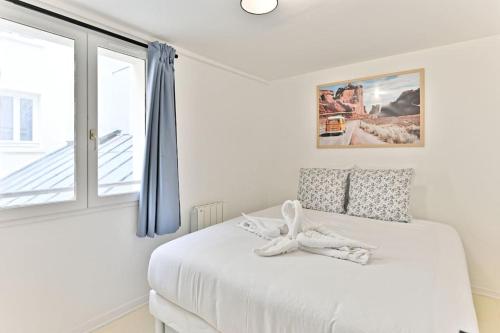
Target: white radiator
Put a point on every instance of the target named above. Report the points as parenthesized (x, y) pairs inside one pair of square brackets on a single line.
[(206, 215)]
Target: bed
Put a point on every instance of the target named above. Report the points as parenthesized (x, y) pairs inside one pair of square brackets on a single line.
[(211, 281)]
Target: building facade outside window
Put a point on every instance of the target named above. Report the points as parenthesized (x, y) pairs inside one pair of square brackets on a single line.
[(17, 117)]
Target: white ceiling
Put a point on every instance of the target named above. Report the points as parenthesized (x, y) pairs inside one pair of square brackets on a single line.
[(303, 35)]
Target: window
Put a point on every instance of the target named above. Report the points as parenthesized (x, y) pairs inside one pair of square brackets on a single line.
[(72, 116), (39, 61), (26, 119), (121, 121), (17, 117), (117, 113)]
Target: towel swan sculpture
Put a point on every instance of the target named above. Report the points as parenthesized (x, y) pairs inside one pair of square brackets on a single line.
[(294, 232)]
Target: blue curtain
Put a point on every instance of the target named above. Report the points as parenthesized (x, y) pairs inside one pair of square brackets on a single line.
[(159, 211)]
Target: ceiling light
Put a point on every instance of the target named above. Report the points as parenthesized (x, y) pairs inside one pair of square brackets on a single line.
[(259, 7)]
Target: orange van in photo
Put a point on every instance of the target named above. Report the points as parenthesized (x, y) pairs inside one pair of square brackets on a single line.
[(335, 125)]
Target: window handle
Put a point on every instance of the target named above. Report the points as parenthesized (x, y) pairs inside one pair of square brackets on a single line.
[(92, 135), (93, 138)]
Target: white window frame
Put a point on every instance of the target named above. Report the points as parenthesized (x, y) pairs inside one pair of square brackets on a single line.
[(96, 41), (79, 36), (16, 140), (86, 43)]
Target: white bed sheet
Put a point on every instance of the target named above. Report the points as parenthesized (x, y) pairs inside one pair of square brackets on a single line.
[(416, 281)]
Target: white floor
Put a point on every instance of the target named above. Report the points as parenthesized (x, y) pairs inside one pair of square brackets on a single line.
[(140, 321)]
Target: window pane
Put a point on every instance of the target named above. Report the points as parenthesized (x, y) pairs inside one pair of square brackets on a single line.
[(6, 118), (121, 122), (37, 63), (26, 119)]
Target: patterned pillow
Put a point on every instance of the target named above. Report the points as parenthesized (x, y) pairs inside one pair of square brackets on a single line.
[(323, 189), (380, 194)]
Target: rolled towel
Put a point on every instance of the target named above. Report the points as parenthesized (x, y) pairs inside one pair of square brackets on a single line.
[(277, 246), (294, 217), (321, 236), (267, 228), (356, 255), (321, 239), (270, 228)]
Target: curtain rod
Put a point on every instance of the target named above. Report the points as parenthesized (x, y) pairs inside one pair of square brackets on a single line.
[(79, 23)]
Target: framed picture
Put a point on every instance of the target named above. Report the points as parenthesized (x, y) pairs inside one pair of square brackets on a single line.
[(378, 111)]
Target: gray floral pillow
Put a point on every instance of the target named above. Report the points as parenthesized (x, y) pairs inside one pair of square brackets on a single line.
[(323, 189), (380, 194)]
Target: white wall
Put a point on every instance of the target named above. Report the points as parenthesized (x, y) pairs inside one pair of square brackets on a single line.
[(458, 174), (223, 137), (68, 272)]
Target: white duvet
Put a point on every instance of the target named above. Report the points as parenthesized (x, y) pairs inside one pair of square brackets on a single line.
[(416, 280)]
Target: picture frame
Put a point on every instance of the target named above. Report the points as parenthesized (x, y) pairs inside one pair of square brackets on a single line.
[(379, 111)]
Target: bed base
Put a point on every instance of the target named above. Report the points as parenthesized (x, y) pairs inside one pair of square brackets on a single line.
[(171, 318), (160, 327)]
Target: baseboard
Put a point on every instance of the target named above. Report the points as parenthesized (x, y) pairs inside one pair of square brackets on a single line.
[(104, 319), (486, 292)]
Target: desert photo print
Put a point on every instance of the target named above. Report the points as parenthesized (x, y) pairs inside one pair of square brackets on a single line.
[(379, 111)]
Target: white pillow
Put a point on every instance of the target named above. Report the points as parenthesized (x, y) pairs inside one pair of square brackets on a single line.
[(380, 194), (323, 189)]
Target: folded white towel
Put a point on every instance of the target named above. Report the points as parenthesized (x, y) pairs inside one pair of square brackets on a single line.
[(322, 240), (277, 246), (357, 255), (302, 234), (294, 217), (264, 227), (321, 236)]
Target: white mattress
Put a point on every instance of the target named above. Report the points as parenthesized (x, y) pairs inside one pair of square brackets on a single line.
[(416, 281)]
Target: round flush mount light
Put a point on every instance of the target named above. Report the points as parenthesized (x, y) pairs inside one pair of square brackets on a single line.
[(259, 7)]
